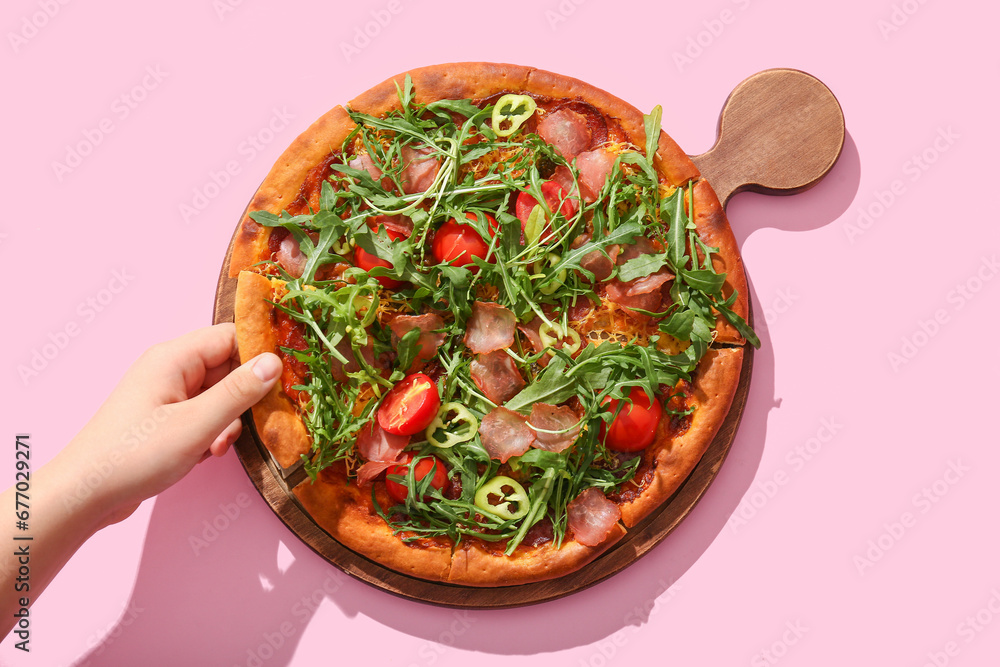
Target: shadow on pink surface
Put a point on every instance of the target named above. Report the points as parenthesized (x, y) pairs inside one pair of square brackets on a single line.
[(221, 580), (823, 204)]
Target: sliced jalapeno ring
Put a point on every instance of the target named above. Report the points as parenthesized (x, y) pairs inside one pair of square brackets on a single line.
[(439, 432), (512, 108), (342, 247), (550, 334), (517, 497), (551, 285)]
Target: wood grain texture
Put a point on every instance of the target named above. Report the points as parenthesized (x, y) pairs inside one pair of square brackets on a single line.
[(780, 132)]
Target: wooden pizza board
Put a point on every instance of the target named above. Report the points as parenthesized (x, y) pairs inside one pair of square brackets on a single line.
[(780, 132)]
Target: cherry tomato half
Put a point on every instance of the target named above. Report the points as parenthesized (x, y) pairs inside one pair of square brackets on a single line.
[(554, 194), (429, 465), (457, 243), (410, 406), (635, 426), (367, 261)]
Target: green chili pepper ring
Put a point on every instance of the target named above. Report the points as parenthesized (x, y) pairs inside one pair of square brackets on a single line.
[(495, 487)]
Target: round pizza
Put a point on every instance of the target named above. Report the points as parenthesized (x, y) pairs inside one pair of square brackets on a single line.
[(512, 317)]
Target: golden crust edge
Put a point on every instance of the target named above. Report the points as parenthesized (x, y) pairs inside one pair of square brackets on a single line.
[(715, 386), (282, 184), (472, 565), (278, 423), (715, 230), (342, 512)]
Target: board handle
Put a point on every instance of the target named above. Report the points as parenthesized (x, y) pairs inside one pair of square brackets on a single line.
[(780, 132)]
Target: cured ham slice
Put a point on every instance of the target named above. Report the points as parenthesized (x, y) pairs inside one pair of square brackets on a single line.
[(369, 471), (290, 257), (339, 371), (364, 161), (594, 168), (496, 376), (393, 223), (545, 418), (419, 170), (505, 433), (618, 292), (591, 516), (596, 262), (580, 309), (530, 329), (650, 283), (489, 328), (642, 293), (567, 131), (374, 443), (429, 341)]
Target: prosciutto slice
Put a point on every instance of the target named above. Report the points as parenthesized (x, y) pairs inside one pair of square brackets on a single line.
[(567, 131), (376, 444), (505, 433), (618, 292), (650, 283), (545, 417), (393, 223), (419, 170), (642, 293), (369, 471), (496, 376), (290, 257), (594, 168), (490, 327), (595, 261), (364, 161), (530, 331), (339, 371), (591, 516), (429, 341), (580, 309)]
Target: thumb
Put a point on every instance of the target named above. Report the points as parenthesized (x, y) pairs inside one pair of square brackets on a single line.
[(219, 405)]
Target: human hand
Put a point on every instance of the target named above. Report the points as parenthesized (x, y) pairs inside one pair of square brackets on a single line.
[(179, 403)]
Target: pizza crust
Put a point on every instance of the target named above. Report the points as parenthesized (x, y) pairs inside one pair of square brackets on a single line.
[(345, 511), (481, 80), (714, 385), (713, 228), (278, 423), (474, 565), (281, 185)]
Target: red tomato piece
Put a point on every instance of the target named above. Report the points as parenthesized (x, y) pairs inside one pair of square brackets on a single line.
[(367, 261), (554, 194), (428, 465), (635, 426), (457, 243), (410, 406)]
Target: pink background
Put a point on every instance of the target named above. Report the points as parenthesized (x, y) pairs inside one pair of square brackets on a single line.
[(869, 548)]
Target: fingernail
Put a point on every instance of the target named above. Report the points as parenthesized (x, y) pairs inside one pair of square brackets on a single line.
[(266, 367)]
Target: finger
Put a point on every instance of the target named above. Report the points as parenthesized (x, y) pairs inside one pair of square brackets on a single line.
[(190, 355), (213, 375), (218, 406), (228, 436)]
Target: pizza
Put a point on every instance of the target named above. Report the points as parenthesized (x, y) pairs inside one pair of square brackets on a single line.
[(512, 317)]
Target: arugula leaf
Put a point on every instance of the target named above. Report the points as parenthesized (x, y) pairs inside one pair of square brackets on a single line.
[(551, 386), (641, 266)]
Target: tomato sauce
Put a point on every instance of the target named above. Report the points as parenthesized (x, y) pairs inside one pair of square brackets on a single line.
[(293, 371), (310, 190)]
